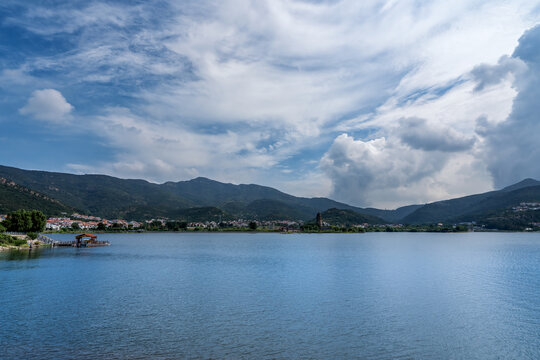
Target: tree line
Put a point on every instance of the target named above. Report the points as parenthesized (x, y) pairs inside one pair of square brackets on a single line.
[(24, 221)]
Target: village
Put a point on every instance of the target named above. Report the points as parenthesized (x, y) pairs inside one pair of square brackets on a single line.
[(526, 206), (78, 221)]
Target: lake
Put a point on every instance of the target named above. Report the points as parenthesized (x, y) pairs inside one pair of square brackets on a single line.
[(263, 296)]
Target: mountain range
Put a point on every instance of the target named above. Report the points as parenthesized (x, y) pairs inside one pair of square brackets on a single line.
[(203, 198)]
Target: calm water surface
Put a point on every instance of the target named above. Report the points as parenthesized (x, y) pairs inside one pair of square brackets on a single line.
[(376, 296)]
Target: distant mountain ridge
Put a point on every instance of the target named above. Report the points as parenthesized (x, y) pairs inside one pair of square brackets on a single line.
[(201, 198), (107, 196), (522, 184), (474, 207)]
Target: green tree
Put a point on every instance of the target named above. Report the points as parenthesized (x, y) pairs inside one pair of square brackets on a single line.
[(253, 225), (75, 226), (101, 226), (117, 226), (172, 226), (19, 221), (38, 221)]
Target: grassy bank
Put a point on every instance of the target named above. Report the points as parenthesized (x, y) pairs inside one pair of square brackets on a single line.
[(8, 241)]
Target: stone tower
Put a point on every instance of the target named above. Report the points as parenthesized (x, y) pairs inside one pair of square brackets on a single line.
[(319, 220)]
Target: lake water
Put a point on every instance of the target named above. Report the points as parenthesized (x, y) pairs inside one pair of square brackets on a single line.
[(322, 296)]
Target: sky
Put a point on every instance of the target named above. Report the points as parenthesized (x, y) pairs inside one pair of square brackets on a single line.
[(373, 103)]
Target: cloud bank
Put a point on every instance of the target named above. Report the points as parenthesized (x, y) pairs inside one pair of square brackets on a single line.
[(373, 102), (423, 159), (512, 147)]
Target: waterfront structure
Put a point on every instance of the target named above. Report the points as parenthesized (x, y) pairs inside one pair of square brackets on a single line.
[(88, 240), (319, 220)]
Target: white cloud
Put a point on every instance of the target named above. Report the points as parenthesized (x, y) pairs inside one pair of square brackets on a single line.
[(144, 150), (48, 105), (47, 21), (388, 173)]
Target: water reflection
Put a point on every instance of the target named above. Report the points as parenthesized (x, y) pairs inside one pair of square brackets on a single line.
[(26, 254)]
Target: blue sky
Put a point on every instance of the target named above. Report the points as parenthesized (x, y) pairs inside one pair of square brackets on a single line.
[(375, 103)]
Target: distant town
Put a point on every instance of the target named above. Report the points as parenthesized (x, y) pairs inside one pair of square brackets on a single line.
[(80, 222), (526, 206)]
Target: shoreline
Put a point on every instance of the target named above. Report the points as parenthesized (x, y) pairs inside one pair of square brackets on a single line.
[(287, 232), (7, 247)]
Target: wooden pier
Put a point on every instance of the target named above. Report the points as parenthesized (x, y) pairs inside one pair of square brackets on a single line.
[(82, 240)]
